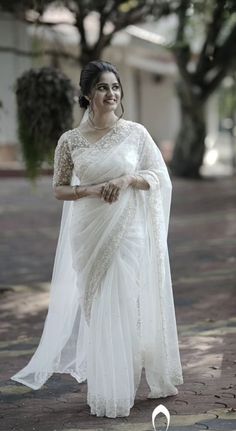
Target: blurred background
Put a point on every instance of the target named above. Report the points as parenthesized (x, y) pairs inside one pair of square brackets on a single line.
[(177, 62)]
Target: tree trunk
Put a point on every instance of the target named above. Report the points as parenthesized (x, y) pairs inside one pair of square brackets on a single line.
[(190, 144), (87, 54), (90, 53)]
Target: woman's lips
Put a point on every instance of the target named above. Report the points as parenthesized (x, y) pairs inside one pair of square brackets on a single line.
[(110, 101)]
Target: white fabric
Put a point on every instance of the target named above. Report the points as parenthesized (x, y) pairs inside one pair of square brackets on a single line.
[(111, 309)]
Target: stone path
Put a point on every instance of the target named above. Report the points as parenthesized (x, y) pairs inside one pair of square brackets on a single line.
[(202, 245)]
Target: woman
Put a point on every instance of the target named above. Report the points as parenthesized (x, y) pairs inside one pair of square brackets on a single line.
[(111, 310)]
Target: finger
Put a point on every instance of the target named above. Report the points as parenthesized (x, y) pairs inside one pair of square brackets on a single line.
[(105, 189), (109, 192), (116, 198), (108, 197), (114, 194)]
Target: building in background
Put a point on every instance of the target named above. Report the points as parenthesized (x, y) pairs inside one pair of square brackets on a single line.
[(147, 69)]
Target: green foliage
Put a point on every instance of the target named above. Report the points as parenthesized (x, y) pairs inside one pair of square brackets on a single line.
[(45, 111), (202, 16)]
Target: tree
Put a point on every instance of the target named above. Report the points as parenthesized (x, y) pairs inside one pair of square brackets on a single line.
[(38, 141), (112, 16), (211, 22), (41, 94), (200, 74)]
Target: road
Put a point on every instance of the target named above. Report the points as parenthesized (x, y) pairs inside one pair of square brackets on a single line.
[(202, 246)]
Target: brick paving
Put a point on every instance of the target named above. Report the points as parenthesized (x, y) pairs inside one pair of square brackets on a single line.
[(202, 245)]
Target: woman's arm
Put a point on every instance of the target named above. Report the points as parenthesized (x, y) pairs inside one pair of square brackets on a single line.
[(111, 189), (63, 169), (68, 193), (138, 182), (72, 193)]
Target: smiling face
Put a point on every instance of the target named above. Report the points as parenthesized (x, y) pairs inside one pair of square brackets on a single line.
[(106, 94)]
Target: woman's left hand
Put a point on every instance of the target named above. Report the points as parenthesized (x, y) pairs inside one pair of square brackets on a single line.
[(111, 190)]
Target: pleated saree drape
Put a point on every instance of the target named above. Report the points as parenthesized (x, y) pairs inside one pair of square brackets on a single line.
[(111, 310)]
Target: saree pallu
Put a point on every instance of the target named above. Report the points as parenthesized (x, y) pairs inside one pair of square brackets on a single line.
[(111, 310)]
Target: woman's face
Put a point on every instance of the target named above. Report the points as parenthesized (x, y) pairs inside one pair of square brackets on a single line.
[(106, 95)]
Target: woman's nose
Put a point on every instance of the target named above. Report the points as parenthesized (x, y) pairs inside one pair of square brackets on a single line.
[(110, 91)]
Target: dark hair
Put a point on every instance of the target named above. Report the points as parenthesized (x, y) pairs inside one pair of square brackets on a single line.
[(90, 76)]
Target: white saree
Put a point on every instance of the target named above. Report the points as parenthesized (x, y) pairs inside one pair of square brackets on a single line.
[(111, 310)]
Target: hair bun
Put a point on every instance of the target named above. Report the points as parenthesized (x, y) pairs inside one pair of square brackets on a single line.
[(83, 102)]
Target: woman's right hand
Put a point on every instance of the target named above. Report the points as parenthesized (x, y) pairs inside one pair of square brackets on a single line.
[(97, 189)]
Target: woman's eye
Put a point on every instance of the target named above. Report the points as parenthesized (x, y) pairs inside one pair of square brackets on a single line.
[(104, 88)]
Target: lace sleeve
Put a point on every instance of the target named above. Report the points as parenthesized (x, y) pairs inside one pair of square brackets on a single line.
[(63, 164)]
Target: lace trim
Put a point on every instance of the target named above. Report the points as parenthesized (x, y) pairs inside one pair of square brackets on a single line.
[(110, 408), (105, 256), (148, 169), (66, 153), (154, 170), (63, 164), (84, 153), (158, 222), (77, 140), (72, 150), (103, 141), (163, 394)]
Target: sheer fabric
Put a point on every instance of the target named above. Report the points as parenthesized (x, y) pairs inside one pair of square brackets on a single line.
[(111, 310)]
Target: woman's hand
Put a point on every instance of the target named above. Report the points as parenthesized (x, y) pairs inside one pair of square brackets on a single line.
[(96, 190), (110, 191)]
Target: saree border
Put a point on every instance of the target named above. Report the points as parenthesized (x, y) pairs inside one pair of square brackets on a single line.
[(106, 254)]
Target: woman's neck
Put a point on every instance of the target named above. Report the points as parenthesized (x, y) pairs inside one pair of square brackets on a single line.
[(103, 120)]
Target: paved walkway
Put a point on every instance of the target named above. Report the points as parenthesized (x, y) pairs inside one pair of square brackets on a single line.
[(202, 243)]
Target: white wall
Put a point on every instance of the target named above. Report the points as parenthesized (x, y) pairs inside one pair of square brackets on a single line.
[(159, 106), (12, 34)]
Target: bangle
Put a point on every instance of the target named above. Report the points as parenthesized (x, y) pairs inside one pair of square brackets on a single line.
[(75, 192)]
